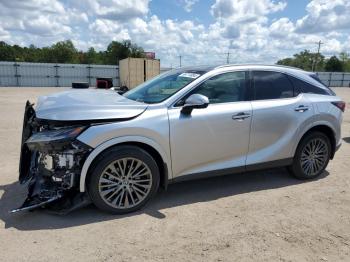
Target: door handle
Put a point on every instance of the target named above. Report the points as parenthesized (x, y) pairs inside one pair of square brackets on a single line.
[(240, 116), (301, 108)]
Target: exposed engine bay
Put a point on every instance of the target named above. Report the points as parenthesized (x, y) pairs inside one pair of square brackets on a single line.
[(50, 163)]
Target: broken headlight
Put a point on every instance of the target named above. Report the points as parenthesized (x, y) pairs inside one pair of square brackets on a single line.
[(52, 138)]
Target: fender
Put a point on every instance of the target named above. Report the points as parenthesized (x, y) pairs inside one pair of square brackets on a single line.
[(116, 141), (306, 129)]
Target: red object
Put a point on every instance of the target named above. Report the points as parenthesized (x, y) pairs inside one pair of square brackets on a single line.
[(150, 55), (102, 84), (340, 104)]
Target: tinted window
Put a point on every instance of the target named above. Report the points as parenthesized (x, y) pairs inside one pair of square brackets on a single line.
[(304, 87), (314, 76), (271, 85), (227, 87)]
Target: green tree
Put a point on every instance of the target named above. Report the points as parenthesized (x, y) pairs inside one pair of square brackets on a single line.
[(6, 52), (31, 54), (115, 51), (345, 59), (136, 51), (305, 60), (119, 50), (64, 52), (333, 64), (91, 57), (286, 61), (19, 53)]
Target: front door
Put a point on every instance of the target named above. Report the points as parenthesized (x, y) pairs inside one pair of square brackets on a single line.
[(216, 137)]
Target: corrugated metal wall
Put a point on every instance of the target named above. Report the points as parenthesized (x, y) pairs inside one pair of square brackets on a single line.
[(332, 79), (335, 79), (165, 69), (54, 75)]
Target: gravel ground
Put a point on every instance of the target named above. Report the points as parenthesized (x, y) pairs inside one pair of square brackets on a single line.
[(260, 216)]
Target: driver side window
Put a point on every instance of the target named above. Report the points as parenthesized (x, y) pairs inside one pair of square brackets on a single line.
[(223, 88)]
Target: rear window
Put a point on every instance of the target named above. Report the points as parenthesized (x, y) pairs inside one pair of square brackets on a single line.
[(314, 76), (271, 85), (304, 87)]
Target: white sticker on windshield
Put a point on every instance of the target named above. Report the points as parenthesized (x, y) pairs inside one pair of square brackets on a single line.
[(190, 75)]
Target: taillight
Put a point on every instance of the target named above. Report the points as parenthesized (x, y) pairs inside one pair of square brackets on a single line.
[(340, 104)]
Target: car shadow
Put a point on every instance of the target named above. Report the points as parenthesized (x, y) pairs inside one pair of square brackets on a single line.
[(177, 195), (346, 139)]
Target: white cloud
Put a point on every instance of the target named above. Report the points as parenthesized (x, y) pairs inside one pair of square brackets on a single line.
[(231, 31), (282, 28), (245, 28), (188, 5), (245, 10), (4, 35), (40, 18), (121, 9), (325, 16), (139, 26), (44, 26), (104, 27), (50, 6), (332, 46)]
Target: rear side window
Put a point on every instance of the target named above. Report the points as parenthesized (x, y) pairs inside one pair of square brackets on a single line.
[(271, 85), (314, 76), (330, 91), (304, 87)]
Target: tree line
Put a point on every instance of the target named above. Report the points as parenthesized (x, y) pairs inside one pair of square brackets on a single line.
[(66, 52), (309, 61)]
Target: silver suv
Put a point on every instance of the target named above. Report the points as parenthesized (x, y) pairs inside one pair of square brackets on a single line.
[(117, 150)]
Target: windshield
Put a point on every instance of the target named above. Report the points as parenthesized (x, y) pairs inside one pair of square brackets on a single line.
[(163, 86)]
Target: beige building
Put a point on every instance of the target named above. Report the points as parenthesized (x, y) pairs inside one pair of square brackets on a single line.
[(135, 71)]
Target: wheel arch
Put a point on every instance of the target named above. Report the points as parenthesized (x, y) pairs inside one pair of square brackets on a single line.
[(149, 145), (325, 129)]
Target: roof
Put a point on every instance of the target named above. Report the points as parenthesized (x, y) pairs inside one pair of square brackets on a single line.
[(296, 72), (262, 67), (208, 68), (205, 68)]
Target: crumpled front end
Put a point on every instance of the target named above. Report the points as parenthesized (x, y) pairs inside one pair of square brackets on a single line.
[(50, 163)]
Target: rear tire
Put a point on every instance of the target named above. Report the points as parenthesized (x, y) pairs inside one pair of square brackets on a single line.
[(80, 85), (312, 156), (123, 180)]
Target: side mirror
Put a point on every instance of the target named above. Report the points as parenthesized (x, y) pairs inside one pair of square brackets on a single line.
[(122, 90), (194, 101)]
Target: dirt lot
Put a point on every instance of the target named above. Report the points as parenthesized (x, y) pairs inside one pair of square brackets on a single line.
[(261, 216)]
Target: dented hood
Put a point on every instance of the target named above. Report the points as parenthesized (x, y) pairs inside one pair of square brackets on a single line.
[(85, 105)]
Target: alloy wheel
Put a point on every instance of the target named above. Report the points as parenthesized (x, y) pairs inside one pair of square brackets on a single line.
[(125, 183), (314, 156)]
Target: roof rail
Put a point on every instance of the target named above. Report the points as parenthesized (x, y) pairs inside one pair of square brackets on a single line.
[(251, 64)]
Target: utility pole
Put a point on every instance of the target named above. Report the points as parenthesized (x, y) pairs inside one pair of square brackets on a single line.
[(180, 57), (314, 64), (228, 58)]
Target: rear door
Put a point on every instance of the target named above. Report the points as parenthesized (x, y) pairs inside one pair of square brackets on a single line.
[(278, 113)]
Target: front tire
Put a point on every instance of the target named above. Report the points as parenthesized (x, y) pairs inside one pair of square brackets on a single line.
[(123, 180), (311, 157)]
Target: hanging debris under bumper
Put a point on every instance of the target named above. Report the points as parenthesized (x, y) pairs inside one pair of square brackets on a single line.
[(50, 164)]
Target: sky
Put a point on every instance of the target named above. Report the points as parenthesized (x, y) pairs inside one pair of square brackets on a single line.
[(200, 31)]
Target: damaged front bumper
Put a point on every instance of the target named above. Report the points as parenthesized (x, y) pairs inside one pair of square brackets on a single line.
[(50, 163)]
